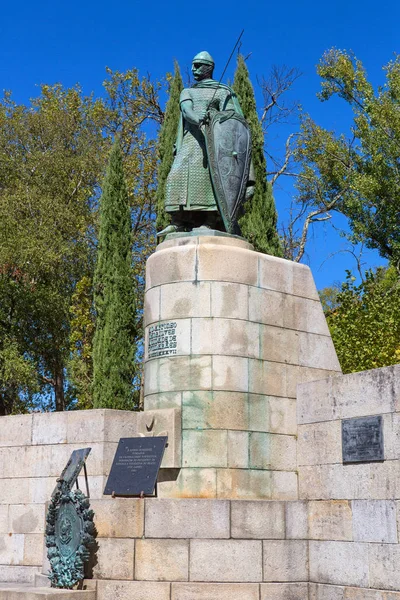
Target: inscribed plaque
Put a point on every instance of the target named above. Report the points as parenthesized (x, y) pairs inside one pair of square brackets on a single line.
[(135, 467), (362, 439), (74, 466), (162, 339)]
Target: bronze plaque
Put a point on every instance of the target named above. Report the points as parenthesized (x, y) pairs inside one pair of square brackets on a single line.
[(73, 467), (135, 467), (362, 439)]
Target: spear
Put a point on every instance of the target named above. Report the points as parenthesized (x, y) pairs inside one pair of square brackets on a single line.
[(226, 66)]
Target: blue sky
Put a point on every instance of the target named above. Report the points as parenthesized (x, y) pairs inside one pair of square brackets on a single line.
[(69, 42)]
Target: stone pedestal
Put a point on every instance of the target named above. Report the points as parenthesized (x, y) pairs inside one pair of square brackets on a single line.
[(229, 334)]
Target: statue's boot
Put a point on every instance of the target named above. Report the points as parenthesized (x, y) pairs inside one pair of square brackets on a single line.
[(204, 227), (169, 229)]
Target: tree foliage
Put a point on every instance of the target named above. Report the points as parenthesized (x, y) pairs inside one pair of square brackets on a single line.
[(357, 176), (82, 326), (114, 293), (364, 320), (259, 221), (18, 377), (53, 153), (50, 154), (166, 143), (135, 114)]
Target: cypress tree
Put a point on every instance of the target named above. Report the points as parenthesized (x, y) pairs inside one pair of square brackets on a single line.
[(166, 143), (114, 295), (258, 223)]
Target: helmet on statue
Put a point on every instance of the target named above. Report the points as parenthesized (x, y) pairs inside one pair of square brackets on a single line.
[(204, 58)]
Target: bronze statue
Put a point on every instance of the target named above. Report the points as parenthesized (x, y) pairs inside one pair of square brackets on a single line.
[(211, 175)]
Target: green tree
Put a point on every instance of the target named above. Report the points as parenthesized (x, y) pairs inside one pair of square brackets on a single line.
[(50, 154), (259, 221), (364, 321), (80, 363), (114, 345), (166, 142), (357, 175), (132, 102), (18, 376), (53, 153)]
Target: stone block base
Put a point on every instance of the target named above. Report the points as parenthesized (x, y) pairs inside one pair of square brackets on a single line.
[(235, 484), (319, 591), (200, 549), (12, 591), (126, 590)]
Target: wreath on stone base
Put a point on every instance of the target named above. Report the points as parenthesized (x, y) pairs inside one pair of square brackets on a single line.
[(70, 534)]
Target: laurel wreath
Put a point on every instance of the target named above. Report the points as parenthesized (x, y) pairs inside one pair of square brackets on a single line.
[(66, 572)]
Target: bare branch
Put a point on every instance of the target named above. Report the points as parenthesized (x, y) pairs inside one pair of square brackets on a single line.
[(48, 380), (288, 155), (357, 257), (311, 218), (279, 81), (294, 242)]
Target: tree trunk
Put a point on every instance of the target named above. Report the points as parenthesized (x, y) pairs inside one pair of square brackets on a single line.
[(59, 387), (7, 399), (3, 411)]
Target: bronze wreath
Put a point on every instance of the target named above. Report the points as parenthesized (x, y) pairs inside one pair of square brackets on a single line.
[(70, 534)]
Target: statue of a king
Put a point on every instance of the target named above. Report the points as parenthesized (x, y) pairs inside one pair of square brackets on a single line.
[(196, 181)]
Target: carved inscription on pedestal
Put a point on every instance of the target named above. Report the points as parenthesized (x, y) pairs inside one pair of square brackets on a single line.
[(162, 339)]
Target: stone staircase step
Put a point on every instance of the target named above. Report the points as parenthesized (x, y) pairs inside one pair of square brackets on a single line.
[(42, 580), (23, 591)]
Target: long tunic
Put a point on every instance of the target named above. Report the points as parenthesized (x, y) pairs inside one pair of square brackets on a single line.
[(189, 184)]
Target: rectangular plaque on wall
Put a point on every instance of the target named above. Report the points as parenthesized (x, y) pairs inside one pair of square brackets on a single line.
[(135, 467), (162, 339), (362, 439)]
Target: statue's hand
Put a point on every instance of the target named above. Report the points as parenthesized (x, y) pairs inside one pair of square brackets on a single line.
[(202, 117)]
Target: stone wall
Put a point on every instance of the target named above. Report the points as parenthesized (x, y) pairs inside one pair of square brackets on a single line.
[(186, 549), (152, 548), (247, 328), (33, 451), (338, 542), (353, 509), (35, 448)]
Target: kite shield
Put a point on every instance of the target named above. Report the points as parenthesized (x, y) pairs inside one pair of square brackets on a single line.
[(228, 141)]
